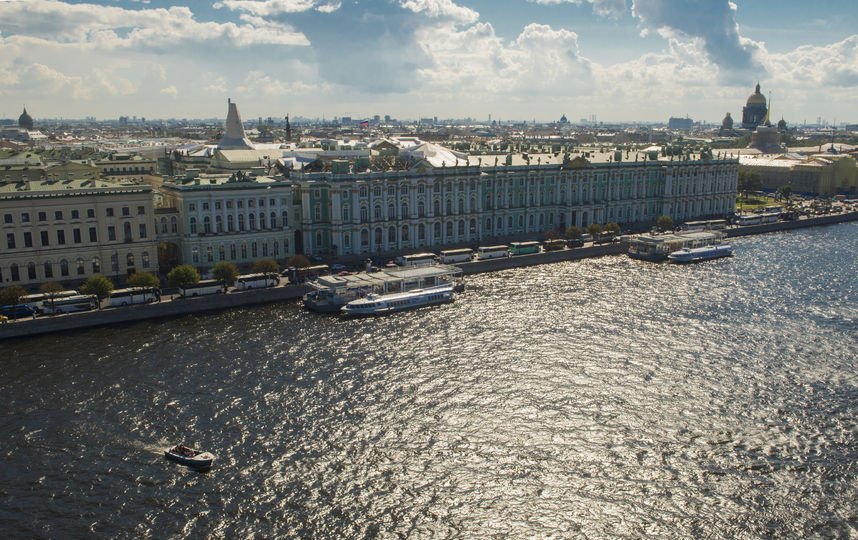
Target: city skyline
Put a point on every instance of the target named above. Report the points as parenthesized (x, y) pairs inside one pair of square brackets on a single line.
[(641, 60)]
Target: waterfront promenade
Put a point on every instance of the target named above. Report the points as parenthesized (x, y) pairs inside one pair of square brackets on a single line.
[(185, 306)]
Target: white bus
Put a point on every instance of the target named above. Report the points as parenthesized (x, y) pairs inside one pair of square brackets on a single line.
[(256, 281), (35, 300), (203, 287), (133, 295), (80, 302), (491, 252), (456, 255), (416, 259)]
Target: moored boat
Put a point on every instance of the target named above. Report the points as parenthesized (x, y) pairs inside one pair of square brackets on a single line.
[(196, 459), (657, 247), (378, 304), (689, 255)]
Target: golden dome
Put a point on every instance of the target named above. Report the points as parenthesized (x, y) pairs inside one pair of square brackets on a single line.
[(757, 97)]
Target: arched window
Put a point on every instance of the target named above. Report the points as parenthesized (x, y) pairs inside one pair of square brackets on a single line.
[(253, 251), (391, 235), (230, 223), (379, 238), (462, 227), (391, 211), (261, 220), (64, 267), (347, 239), (473, 204), (129, 260), (232, 252), (421, 232), (500, 224), (364, 214), (404, 211), (488, 224), (207, 224), (221, 252), (318, 239), (243, 251), (240, 222), (114, 262), (364, 237), (252, 221), (80, 269), (363, 191), (96, 265), (405, 233), (449, 228), (174, 224), (346, 215), (195, 255), (520, 221), (509, 222), (449, 206), (163, 225), (145, 257), (49, 269), (209, 254), (219, 223), (126, 227), (436, 207), (377, 212), (273, 220), (473, 226), (530, 220), (421, 209), (437, 229)]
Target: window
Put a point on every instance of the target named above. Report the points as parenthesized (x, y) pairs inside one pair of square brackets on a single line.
[(273, 220), (436, 230), (275, 245), (141, 210), (230, 223), (44, 235), (96, 265), (25, 217), (219, 223), (109, 212), (28, 239), (93, 235), (391, 190), (436, 207), (449, 206), (421, 232), (239, 203), (143, 230), (43, 216), (14, 271), (253, 251), (61, 237), (317, 212), (195, 255), (10, 240), (217, 205), (405, 233), (228, 205), (114, 262), (64, 268), (126, 229), (421, 189), (364, 214), (232, 251), (205, 206), (31, 270), (364, 237), (377, 212), (404, 210), (286, 245), (241, 222), (192, 207), (111, 233), (461, 205), (318, 240), (462, 228), (90, 213), (251, 203), (449, 230), (376, 191), (80, 268), (129, 260), (391, 235), (58, 215), (163, 225), (207, 224), (209, 254), (264, 249), (7, 218), (285, 216), (243, 251), (363, 191), (391, 211), (347, 239), (174, 224), (252, 220), (421, 209), (221, 251)]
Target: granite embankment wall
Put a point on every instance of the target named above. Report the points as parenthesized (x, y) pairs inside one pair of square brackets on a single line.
[(186, 306), (174, 308)]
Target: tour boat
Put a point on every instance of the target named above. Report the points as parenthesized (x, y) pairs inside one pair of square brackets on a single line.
[(688, 255), (196, 459), (375, 304)]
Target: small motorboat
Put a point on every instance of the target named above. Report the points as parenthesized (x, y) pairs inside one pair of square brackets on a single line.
[(196, 459)]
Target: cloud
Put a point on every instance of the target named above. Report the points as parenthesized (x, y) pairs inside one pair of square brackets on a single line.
[(712, 23), (169, 91), (607, 8)]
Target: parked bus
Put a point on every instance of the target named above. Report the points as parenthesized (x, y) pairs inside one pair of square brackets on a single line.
[(523, 248), (202, 288), (35, 300), (133, 295), (80, 302), (416, 259), (456, 255), (491, 252), (256, 281), (554, 245), (706, 225), (307, 273)]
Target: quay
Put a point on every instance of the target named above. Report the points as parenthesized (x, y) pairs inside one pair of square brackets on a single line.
[(186, 306)]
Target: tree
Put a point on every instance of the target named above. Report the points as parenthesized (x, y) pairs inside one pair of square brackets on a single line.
[(664, 223), (551, 234), (51, 290), (749, 181), (145, 280), (183, 276), (266, 266), (594, 229), (612, 228), (574, 232), (225, 272), (11, 296), (785, 192), (100, 286), (298, 261)]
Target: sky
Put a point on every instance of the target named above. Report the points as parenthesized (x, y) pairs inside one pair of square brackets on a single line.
[(615, 60)]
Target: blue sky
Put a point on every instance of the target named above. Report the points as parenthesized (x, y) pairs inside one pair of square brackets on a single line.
[(620, 60)]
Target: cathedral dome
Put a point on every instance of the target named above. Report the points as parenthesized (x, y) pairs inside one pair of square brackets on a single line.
[(757, 98), (25, 120)]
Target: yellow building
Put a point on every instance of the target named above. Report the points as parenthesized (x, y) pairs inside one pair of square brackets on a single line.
[(820, 174)]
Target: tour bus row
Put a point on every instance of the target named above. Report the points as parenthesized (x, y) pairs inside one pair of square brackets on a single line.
[(72, 300), (451, 256)]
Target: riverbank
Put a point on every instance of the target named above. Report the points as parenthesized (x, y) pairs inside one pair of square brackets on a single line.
[(186, 306)]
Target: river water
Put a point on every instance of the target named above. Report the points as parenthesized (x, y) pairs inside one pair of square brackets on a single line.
[(597, 398)]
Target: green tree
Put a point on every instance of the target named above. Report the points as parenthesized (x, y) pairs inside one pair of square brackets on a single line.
[(595, 230), (11, 296), (51, 290), (749, 181), (574, 232), (664, 223), (612, 228), (298, 261), (225, 272), (551, 234), (183, 276), (100, 286), (145, 280), (785, 192), (266, 266)]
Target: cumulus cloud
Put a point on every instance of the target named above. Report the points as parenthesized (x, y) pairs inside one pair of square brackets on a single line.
[(170, 91), (710, 22), (610, 8)]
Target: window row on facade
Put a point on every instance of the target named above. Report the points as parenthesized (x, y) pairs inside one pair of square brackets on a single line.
[(63, 237), (76, 268), (43, 216)]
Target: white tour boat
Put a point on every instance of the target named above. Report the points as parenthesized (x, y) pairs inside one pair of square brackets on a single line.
[(377, 304), (688, 255)]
